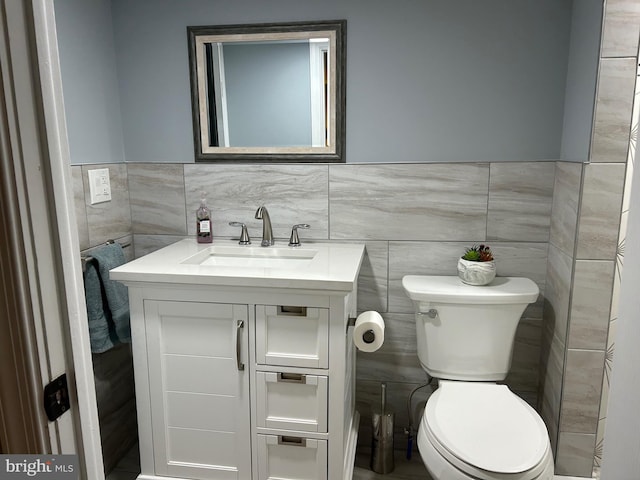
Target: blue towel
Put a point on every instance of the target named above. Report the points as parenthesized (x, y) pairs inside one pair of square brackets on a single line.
[(109, 257), (113, 300), (99, 332)]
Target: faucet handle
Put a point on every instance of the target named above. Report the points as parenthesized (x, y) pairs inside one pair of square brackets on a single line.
[(294, 240), (244, 236)]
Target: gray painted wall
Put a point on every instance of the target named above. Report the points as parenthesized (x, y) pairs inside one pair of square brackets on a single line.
[(426, 82), (90, 83), (581, 79), (268, 94)]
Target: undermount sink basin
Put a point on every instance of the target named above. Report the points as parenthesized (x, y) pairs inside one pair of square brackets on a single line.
[(252, 257)]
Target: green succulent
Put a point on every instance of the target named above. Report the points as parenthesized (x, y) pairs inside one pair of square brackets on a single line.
[(478, 253)]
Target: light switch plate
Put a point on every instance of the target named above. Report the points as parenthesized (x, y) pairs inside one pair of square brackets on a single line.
[(99, 185)]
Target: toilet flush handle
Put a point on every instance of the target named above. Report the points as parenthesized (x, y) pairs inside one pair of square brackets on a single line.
[(431, 313)]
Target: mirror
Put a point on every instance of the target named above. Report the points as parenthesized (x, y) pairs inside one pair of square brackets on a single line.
[(268, 91)]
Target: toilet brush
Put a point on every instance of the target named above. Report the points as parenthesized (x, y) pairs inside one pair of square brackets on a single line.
[(382, 438)]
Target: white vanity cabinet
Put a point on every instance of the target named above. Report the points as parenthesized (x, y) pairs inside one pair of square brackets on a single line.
[(253, 380)]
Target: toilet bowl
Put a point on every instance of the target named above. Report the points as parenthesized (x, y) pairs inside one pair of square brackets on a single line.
[(483, 431), (472, 427)]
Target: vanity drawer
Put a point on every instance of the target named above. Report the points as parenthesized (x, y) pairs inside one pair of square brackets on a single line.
[(292, 401), (285, 457), (292, 336)]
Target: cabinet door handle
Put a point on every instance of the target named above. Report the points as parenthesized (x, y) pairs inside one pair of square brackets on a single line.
[(292, 378), (292, 441), (239, 327)]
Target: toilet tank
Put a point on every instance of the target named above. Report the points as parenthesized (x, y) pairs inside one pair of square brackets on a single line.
[(466, 332)]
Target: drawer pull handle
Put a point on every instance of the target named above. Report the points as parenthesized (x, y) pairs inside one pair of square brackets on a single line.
[(292, 441), (292, 311), (292, 378), (239, 327)]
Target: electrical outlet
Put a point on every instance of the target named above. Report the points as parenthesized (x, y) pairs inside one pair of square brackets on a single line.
[(99, 185)]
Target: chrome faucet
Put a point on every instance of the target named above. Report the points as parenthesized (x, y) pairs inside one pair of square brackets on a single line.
[(267, 232)]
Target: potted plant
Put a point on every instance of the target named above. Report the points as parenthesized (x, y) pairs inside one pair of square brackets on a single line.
[(477, 266)]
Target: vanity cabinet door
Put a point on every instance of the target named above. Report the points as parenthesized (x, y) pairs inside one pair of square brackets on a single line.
[(199, 389)]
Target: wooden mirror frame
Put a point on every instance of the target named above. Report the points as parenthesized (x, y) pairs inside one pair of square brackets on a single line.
[(334, 29)]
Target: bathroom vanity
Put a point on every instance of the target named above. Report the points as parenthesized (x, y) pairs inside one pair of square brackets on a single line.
[(244, 364)]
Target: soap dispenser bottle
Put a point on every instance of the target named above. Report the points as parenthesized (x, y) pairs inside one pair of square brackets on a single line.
[(203, 222)]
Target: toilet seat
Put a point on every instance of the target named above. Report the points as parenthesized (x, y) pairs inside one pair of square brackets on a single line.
[(486, 431)]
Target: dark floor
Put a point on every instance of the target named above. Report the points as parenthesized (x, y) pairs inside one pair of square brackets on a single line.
[(128, 468)]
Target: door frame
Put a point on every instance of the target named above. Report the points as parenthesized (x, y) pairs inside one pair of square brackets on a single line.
[(22, 426), (54, 122), (43, 226)]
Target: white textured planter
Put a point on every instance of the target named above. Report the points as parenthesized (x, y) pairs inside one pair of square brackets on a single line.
[(476, 273)]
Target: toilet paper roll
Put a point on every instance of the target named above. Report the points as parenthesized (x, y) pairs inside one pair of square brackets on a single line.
[(368, 332)]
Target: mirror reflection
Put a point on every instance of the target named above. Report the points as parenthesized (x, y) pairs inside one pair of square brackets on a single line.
[(273, 90), (266, 94)]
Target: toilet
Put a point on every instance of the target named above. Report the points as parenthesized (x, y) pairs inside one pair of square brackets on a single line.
[(473, 427)]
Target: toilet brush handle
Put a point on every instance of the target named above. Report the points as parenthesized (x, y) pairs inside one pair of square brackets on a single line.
[(383, 387)]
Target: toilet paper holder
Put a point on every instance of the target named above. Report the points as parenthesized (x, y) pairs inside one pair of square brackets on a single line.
[(368, 331), (369, 336)]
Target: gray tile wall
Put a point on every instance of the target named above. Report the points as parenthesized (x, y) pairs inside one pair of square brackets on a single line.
[(413, 218), (566, 199), (520, 199), (621, 29), (102, 221), (409, 202), (610, 139), (157, 199), (292, 193)]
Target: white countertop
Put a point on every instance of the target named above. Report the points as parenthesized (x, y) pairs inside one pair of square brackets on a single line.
[(333, 266)]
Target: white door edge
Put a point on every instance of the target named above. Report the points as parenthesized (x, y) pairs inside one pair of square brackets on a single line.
[(57, 142)]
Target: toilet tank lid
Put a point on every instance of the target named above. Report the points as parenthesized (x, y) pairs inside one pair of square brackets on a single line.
[(450, 289)]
